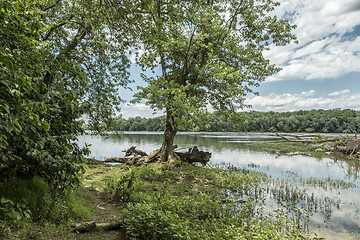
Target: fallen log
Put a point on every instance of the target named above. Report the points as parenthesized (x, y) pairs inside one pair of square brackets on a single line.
[(194, 155), (153, 157), (191, 156), (89, 226)]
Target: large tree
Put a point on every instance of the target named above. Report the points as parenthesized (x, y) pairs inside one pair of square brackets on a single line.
[(210, 54), (60, 60)]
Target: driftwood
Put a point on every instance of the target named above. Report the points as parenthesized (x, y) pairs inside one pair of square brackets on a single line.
[(134, 151), (193, 155), (89, 226)]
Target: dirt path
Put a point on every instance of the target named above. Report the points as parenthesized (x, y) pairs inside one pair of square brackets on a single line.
[(104, 211)]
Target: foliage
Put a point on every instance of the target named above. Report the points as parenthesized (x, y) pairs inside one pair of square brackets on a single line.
[(343, 121), (207, 61), (321, 121), (151, 223), (11, 214), (139, 124), (88, 42), (34, 200), (121, 187), (60, 60)]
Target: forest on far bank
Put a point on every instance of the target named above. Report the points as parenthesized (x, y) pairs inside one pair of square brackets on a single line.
[(319, 121)]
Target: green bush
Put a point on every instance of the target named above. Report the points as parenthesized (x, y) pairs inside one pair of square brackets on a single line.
[(33, 199), (120, 188), (11, 214), (145, 221)]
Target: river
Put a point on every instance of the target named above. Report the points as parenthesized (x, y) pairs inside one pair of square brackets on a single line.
[(329, 189)]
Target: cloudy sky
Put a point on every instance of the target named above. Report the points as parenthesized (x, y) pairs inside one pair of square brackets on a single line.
[(322, 71)]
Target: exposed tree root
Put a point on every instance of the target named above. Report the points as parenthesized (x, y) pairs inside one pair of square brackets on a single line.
[(193, 155)]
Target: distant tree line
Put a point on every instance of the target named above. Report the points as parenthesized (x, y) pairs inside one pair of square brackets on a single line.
[(321, 121)]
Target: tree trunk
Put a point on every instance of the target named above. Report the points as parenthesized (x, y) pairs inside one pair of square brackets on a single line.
[(167, 148), (89, 226)]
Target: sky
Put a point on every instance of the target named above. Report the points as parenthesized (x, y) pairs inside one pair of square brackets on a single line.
[(322, 71)]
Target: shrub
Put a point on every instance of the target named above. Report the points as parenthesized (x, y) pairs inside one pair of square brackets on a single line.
[(11, 214), (145, 221), (35, 196)]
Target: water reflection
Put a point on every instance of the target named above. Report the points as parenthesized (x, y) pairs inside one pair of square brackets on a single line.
[(327, 188)]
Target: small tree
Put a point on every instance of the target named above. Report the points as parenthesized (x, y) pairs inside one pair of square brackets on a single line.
[(210, 54)]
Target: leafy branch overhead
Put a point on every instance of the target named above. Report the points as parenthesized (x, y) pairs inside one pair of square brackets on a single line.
[(60, 61)]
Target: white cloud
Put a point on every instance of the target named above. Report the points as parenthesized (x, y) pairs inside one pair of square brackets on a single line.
[(305, 101), (323, 51), (337, 93), (308, 94), (138, 109)]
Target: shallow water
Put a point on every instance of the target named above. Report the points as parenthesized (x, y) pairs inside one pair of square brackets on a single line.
[(328, 189)]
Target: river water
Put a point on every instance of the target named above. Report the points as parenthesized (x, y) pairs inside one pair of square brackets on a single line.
[(329, 189)]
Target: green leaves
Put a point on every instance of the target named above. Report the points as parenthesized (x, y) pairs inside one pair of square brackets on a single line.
[(60, 61), (29, 139), (210, 53), (11, 214)]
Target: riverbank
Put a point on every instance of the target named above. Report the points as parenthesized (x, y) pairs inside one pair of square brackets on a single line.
[(161, 201), (335, 147)]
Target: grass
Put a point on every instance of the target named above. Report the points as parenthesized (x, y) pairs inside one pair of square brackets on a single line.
[(162, 201)]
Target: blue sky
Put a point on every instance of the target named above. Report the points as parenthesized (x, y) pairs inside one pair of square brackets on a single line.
[(322, 71)]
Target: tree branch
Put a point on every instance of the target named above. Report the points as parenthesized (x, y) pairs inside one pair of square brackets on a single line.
[(51, 6), (54, 67), (56, 27), (185, 69)]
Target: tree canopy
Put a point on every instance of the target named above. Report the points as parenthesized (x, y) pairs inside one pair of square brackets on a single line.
[(210, 54), (60, 61)]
